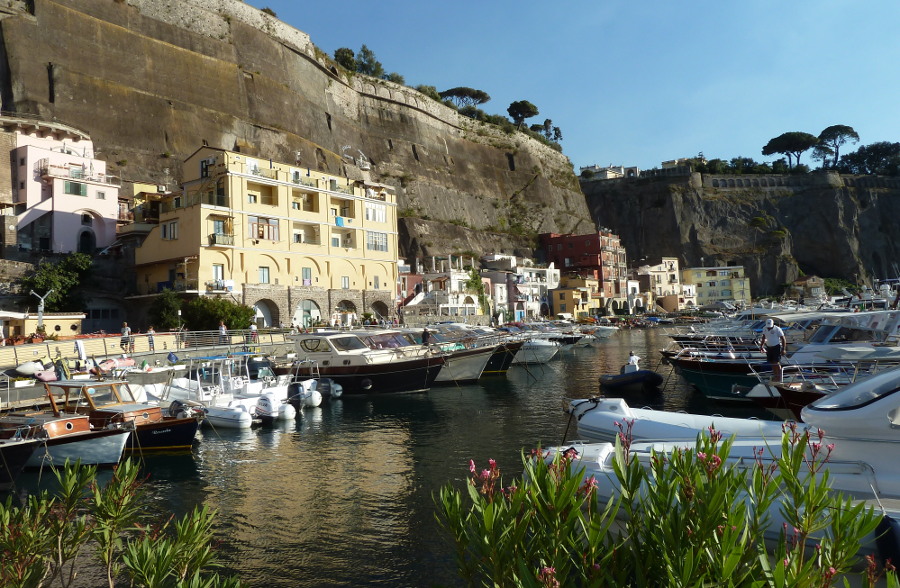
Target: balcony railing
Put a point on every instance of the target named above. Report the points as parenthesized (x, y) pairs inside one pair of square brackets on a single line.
[(76, 173), (221, 239), (304, 181), (271, 174)]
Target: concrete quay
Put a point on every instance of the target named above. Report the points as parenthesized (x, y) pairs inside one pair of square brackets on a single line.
[(18, 394)]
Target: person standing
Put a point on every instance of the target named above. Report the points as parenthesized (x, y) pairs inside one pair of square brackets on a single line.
[(126, 337), (774, 344), (223, 333), (254, 333), (150, 342), (633, 359)]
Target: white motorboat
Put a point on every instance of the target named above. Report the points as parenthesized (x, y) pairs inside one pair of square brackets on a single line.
[(602, 419), (862, 421), (204, 385)]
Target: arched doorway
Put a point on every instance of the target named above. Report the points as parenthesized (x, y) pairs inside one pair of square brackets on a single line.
[(344, 314), (266, 314), (381, 310), (307, 314), (87, 242)]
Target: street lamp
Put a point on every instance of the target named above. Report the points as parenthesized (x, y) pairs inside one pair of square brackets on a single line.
[(40, 326)]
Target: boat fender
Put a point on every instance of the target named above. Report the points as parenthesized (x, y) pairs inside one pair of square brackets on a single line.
[(887, 538), (366, 384)]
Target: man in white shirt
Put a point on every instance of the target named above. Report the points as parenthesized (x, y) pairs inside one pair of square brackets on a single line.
[(774, 344)]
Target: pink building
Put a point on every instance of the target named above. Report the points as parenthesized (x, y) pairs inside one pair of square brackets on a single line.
[(62, 197)]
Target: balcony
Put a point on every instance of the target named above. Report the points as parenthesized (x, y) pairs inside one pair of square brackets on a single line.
[(47, 170), (270, 174), (305, 181), (220, 239)]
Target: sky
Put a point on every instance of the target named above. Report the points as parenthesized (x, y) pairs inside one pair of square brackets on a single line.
[(638, 82)]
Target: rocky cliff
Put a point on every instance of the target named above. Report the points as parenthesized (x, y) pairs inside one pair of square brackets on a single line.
[(153, 80), (775, 226)]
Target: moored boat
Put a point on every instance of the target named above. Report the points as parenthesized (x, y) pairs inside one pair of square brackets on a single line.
[(349, 362), (67, 437), (111, 404)]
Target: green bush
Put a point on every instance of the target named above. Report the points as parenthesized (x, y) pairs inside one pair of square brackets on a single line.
[(45, 540), (686, 518)]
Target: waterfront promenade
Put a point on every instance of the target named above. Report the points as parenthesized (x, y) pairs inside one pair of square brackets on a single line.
[(16, 393)]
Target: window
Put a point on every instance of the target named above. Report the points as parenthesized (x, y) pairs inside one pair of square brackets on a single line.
[(298, 237), (205, 164), (252, 198), (345, 282), (562, 308), (101, 195), (21, 161), (169, 230), (263, 275), (263, 228), (376, 241), (376, 212), (295, 205), (87, 220), (335, 241), (376, 282), (306, 276), (562, 296), (219, 226), (333, 211), (218, 272), (76, 189)]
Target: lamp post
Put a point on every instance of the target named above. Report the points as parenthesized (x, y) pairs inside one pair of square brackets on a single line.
[(40, 326)]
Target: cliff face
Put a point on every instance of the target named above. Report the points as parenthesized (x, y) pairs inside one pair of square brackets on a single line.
[(152, 80), (775, 226)]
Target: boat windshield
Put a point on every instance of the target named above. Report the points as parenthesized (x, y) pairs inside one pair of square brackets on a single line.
[(861, 393), (837, 334), (348, 343)]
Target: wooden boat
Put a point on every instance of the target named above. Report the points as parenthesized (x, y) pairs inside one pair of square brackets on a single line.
[(66, 437), (111, 404)]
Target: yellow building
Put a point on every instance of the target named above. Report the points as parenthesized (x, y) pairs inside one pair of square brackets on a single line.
[(718, 284), (296, 244), (579, 296)]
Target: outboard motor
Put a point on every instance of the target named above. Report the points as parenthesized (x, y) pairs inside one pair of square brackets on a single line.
[(330, 388)]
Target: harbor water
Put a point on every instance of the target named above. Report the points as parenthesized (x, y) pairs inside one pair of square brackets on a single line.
[(344, 496)]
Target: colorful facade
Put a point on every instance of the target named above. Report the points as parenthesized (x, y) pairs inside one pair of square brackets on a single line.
[(722, 283), (297, 244)]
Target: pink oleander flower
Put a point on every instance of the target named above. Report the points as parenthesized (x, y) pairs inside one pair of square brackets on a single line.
[(547, 577), (472, 466)]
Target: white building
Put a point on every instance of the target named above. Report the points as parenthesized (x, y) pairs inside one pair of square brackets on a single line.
[(520, 289), (62, 197)]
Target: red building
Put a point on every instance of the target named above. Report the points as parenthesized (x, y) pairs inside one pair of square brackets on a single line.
[(598, 255)]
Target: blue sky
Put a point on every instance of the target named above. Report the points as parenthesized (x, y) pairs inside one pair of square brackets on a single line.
[(636, 82)]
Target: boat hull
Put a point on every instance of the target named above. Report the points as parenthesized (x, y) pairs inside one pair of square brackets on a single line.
[(165, 435), (102, 447), (536, 351), (386, 378), (637, 380), (464, 366), (502, 358), (13, 457)]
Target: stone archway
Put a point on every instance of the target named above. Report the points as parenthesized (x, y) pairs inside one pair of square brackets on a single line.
[(267, 314), (307, 314), (381, 310), (344, 314)]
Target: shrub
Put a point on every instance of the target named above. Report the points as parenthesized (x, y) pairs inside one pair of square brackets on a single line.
[(686, 518), (44, 540)]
